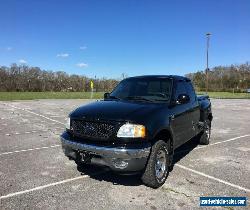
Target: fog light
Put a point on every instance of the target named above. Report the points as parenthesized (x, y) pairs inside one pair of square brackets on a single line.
[(121, 164)]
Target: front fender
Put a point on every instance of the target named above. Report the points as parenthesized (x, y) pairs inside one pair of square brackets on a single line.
[(157, 123)]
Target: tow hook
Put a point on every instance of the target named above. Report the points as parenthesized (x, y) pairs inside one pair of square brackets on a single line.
[(85, 157)]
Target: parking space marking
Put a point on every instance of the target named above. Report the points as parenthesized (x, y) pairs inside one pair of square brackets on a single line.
[(43, 187), (35, 114), (220, 142), (213, 178), (86, 176), (25, 132), (32, 149)]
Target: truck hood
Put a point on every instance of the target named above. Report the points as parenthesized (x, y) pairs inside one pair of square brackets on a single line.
[(116, 110)]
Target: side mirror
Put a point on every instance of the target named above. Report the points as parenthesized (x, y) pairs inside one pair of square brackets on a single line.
[(106, 95), (183, 99)]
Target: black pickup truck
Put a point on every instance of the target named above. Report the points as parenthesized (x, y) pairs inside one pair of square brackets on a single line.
[(138, 126)]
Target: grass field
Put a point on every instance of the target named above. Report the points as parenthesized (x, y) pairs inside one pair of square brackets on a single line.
[(9, 96), (226, 95)]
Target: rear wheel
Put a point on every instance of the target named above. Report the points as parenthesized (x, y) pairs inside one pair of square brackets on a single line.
[(157, 168), (206, 133)]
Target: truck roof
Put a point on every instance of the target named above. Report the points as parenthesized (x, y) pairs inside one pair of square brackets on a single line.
[(175, 77)]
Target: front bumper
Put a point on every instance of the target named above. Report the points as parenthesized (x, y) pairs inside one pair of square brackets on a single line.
[(116, 158)]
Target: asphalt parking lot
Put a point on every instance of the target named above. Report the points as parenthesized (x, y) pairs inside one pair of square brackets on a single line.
[(34, 173)]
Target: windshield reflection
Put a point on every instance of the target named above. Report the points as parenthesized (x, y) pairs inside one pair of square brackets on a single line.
[(143, 89)]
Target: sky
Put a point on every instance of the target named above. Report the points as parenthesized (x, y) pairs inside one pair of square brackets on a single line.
[(105, 38)]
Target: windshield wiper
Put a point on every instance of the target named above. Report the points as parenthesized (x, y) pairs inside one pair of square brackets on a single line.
[(161, 99), (137, 98), (114, 97)]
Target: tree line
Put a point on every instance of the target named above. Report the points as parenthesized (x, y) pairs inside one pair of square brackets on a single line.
[(33, 79), (234, 78)]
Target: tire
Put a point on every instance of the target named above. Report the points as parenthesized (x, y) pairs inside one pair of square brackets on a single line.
[(206, 133), (155, 174)]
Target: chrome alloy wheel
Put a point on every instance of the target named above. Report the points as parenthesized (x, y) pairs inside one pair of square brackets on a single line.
[(161, 165)]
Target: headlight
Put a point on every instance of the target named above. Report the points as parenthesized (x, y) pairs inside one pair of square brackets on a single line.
[(67, 125), (132, 131)]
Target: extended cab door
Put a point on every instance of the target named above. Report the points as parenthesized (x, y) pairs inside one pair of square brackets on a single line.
[(194, 109), (180, 122)]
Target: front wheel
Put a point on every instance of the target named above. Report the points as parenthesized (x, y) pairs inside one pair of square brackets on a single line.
[(157, 168), (206, 133)]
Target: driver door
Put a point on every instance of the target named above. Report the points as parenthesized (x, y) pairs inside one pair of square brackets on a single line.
[(180, 124)]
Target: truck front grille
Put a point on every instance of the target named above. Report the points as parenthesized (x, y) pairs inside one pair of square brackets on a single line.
[(89, 129)]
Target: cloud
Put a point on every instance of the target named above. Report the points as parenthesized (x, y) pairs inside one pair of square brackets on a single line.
[(82, 65), (83, 48), (22, 61), (63, 55)]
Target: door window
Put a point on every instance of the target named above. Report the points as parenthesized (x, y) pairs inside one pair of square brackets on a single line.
[(180, 89), (190, 91)]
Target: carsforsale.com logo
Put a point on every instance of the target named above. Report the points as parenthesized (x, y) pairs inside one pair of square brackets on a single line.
[(223, 201)]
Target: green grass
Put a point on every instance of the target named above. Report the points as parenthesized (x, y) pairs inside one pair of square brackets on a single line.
[(225, 95), (8, 96)]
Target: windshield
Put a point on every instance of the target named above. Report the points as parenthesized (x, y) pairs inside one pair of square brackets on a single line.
[(146, 89)]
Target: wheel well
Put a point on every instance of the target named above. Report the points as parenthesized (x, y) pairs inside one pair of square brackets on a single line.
[(166, 136)]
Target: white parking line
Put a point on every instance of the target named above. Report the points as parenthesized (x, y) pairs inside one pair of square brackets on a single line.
[(81, 177), (35, 114), (85, 176), (213, 178), (25, 132), (220, 142), (42, 187), (32, 149)]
